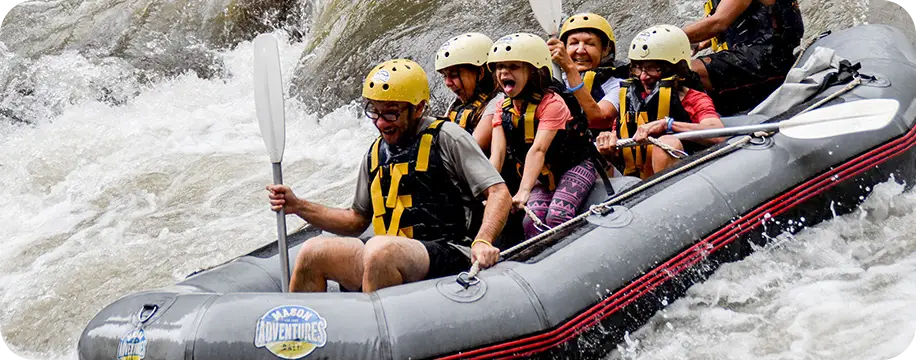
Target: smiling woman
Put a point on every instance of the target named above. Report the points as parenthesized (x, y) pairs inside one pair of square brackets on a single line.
[(585, 53)]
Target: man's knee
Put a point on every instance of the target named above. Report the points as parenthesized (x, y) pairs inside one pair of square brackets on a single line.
[(313, 251), (699, 66), (382, 251), (384, 254)]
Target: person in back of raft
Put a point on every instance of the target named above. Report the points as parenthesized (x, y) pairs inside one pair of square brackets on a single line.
[(534, 129), (664, 89), (752, 42), (462, 61), (417, 187)]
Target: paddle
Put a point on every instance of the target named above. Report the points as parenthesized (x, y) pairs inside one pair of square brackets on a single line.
[(845, 118), (268, 99), (549, 14)]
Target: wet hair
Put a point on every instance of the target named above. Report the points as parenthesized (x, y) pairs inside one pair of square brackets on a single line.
[(487, 83), (687, 77)]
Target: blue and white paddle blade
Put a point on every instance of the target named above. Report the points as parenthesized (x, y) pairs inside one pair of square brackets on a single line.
[(845, 118), (268, 95)]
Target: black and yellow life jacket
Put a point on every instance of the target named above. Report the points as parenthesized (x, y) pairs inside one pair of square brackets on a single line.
[(664, 101), (778, 24), (593, 79), (412, 192), (467, 115), (570, 146)]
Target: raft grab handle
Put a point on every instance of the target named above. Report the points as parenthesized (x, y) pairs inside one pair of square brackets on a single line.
[(152, 308)]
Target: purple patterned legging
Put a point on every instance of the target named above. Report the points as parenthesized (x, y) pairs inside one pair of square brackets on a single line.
[(554, 208)]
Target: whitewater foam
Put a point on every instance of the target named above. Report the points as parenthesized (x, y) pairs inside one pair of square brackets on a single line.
[(102, 199)]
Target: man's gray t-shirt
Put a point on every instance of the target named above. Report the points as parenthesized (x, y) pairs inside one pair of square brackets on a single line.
[(462, 158)]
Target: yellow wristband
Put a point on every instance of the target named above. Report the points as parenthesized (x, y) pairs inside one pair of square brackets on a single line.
[(481, 241)]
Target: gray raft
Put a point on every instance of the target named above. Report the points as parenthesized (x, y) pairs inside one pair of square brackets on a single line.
[(596, 280)]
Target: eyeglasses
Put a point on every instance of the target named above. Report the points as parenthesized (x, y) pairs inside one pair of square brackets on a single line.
[(374, 114), (637, 70)]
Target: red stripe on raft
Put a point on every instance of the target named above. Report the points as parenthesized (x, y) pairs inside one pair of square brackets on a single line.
[(537, 343)]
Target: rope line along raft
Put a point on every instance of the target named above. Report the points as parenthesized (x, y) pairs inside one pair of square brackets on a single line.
[(672, 151), (469, 278)]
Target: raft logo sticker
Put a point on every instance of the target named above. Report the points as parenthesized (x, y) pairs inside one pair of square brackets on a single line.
[(132, 346), (381, 76), (505, 40), (291, 332)]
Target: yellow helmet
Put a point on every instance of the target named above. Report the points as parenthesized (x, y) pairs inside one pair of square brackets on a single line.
[(661, 42), (470, 48), (398, 80), (587, 21), (524, 47)]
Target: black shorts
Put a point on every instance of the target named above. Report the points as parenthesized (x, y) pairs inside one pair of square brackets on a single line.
[(744, 76), (444, 259)]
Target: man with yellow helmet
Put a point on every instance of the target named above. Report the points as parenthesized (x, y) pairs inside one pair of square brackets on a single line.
[(585, 53), (417, 188), (752, 42), (660, 98), (462, 61)]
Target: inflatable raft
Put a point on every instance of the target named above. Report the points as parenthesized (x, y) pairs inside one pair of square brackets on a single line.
[(596, 278)]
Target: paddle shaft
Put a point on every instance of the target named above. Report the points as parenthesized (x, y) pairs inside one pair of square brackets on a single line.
[(281, 234), (711, 133)]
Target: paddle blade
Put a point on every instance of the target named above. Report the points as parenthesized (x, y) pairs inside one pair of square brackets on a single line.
[(548, 13), (845, 118), (268, 95)]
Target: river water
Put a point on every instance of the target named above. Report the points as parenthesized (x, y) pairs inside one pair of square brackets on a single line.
[(130, 157)]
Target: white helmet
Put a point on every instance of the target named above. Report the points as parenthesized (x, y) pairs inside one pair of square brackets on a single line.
[(661, 42), (470, 48), (524, 47)]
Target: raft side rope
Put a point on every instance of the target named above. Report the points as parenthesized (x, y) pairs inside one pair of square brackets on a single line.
[(537, 221), (469, 278), (852, 84), (672, 151)]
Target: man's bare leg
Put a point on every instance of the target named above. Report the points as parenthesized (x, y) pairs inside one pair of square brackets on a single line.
[(389, 261), (323, 258), (699, 66)]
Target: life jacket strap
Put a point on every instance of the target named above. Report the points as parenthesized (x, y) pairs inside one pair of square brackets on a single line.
[(530, 110), (589, 80), (546, 176), (717, 43)]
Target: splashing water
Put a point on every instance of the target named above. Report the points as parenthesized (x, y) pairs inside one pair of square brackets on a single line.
[(104, 200), (843, 289)]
